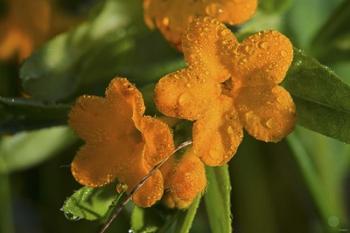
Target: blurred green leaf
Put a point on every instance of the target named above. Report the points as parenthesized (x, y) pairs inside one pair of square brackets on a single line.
[(113, 42), (91, 203), (145, 220), (274, 6), (26, 149), (217, 199), (21, 114), (332, 42), (306, 17), (322, 99)]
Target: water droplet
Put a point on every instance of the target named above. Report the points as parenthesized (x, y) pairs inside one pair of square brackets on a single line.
[(165, 21), (283, 53), (263, 45), (190, 37), (213, 9), (230, 130), (188, 85), (270, 123), (183, 99), (121, 188)]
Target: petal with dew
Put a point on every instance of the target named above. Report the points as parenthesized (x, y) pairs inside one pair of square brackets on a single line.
[(186, 93), (204, 43), (172, 17), (267, 113), (158, 140), (184, 179), (218, 134), (266, 56)]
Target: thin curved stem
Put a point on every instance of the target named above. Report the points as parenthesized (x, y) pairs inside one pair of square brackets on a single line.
[(120, 207)]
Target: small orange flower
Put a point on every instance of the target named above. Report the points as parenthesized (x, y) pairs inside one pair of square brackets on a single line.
[(184, 179), (26, 25), (173, 16), (120, 142), (227, 86)]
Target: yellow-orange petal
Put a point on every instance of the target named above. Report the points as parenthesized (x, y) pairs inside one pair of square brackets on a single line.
[(150, 192), (184, 179), (158, 140), (186, 93), (172, 17), (204, 44), (262, 58), (172, 201), (106, 120), (126, 97), (96, 166), (268, 113), (218, 134)]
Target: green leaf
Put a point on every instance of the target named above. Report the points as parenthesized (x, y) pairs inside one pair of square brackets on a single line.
[(21, 114), (332, 42), (185, 218), (113, 42), (217, 199), (26, 149), (91, 203), (145, 220), (306, 17), (322, 99), (274, 6)]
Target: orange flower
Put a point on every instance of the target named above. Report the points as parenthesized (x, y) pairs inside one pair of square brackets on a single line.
[(26, 25), (184, 179), (120, 142), (229, 86), (173, 16)]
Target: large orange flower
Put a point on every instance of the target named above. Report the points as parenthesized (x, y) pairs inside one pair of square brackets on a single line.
[(120, 142), (173, 16), (27, 24), (229, 86)]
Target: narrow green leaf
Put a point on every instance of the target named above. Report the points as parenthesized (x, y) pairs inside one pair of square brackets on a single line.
[(21, 114), (274, 6), (332, 42), (26, 149), (113, 42), (91, 203), (217, 199), (185, 219), (322, 99)]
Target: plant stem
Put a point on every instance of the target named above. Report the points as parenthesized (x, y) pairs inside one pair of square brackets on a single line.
[(6, 220)]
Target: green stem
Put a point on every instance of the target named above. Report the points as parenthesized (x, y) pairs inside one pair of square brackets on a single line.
[(6, 220), (311, 178)]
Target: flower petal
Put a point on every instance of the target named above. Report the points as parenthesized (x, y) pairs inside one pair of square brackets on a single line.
[(262, 58), (150, 192), (172, 17), (218, 134), (184, 179), (96, 166), (186, 93), (158, 139), (268, 113), (204, 44)]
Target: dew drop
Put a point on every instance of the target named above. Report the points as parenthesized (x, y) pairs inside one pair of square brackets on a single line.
[(165, 21), (183, 99), (283, 53), (213, 9), (263, 45), (270, 123)]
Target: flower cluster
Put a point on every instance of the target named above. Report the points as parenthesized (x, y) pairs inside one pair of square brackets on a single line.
[(226, 87)]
